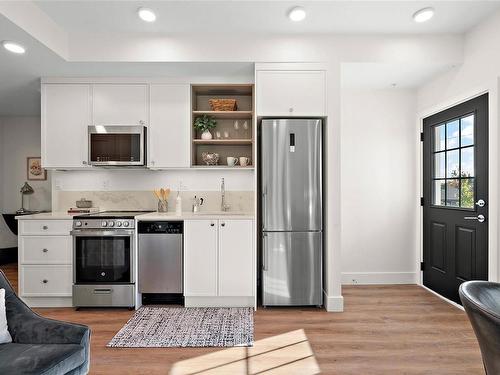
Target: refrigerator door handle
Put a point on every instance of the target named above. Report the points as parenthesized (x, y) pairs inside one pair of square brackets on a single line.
[(264, 253), (264, 206)]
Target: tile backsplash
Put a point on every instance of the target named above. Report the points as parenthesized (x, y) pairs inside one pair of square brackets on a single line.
[(145, 200)]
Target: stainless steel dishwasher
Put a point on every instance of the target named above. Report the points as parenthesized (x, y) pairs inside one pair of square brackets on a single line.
[(160, 262)]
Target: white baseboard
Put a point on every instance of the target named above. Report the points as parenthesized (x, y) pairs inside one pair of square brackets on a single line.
[(367, 278), (333, 303)]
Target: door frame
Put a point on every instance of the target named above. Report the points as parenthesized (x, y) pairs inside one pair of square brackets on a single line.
[(493, 186)]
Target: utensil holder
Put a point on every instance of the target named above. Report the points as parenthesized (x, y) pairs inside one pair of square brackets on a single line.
[(162, 206)]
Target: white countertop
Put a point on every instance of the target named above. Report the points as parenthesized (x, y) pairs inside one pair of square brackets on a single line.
[(152, 216), (207, 215), (47, 216)]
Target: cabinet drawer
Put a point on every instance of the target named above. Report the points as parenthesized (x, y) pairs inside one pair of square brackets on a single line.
[(45, 249), (45, 227), (54, 280)]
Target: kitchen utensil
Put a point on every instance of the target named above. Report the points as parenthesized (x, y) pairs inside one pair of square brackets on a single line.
[(83, 203), (231, 161), (244, 161), (210, 158)]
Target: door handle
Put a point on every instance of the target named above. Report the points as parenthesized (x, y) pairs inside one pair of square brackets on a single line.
[(264, 253), (102, 291), (480, 203), (479, 218)]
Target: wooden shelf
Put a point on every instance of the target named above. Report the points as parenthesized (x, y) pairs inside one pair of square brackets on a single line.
[(220, 167), (225, 114), (222, 141)]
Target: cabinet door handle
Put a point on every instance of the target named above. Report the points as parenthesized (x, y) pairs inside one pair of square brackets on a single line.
[(45, 250), (84, 162), (264, 253), (290, 109), (45, 227), (45, 281), (222, 224), (212, 224)]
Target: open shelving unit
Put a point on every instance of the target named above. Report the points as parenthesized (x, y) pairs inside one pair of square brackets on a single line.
[(233, 135)]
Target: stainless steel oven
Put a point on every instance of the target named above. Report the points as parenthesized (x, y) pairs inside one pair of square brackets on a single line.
[(111, 145), (104, 262)]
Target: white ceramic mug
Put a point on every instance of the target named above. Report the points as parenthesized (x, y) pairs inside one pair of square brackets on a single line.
[(244, 161), (231, 161)]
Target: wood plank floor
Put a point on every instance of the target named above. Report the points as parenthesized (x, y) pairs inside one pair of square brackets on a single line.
[(384, 330)]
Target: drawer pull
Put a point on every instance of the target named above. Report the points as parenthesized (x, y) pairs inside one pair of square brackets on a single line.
[(45, 227), (212, 224), (223, 224), (102, 291), (45, 281), (45, 250)]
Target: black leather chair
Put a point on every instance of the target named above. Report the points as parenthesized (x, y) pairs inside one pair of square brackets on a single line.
[(40, 345), (481, 300)]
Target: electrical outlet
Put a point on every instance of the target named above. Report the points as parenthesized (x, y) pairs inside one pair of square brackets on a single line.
[(57, 184), (105, 184), (354, 281)]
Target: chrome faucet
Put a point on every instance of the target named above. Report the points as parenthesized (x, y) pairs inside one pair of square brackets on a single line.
[(223, 205)]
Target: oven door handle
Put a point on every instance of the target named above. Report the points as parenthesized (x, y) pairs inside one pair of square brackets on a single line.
[(107, 233)]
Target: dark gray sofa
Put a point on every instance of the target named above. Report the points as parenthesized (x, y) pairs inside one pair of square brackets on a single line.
[(40, 345)]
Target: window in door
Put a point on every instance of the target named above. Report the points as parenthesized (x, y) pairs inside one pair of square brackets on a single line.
[(453, 163)]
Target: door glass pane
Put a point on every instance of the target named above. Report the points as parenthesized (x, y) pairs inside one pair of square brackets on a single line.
[(452, 192), (452, 164), (467, 126), (439, 193), (439, 138), (439, 165), (452, 134), (467, 169), (467, 193)]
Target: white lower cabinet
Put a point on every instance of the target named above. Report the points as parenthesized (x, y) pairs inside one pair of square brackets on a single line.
[(200, 257), (45, 262), (219, 263)]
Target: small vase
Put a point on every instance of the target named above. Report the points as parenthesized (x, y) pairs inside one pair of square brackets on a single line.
[(206, 135)]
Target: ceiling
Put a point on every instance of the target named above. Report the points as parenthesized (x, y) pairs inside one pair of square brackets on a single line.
[(20, 75), (266, 16)]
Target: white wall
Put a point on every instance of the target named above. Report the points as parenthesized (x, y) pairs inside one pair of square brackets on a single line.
[(479, 72), (20, 139), (378, 183)]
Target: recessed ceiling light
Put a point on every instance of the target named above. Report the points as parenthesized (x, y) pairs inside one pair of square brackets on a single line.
[(13, 47), (423, 15), (146, 14), (297, 14)]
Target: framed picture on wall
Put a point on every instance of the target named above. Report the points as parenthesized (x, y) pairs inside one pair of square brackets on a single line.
[(35, 170)]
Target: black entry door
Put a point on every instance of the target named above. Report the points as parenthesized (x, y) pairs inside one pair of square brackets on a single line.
[(456, 197)]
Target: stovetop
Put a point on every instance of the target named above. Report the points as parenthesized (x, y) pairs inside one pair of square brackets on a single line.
[(111, 215)]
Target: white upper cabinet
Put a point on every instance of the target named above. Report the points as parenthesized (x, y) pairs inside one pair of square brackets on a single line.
[(236, 258), (291, 93), (120, 104), (169, 128), (65, 118)]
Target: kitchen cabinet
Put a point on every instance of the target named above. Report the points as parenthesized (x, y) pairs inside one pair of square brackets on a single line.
[(45, 262), (65, 119), (291, 93), (235, 258), (120, 104), (200, 257), (219, 260), (169, 128)]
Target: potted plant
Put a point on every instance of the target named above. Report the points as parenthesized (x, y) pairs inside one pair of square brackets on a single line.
[(204, 124)]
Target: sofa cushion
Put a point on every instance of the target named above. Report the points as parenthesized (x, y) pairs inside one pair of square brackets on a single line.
[(46, 359), (4, 331)]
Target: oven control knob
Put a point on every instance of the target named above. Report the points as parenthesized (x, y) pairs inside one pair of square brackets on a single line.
[(78, 223), (111, 224), (119, 224), (125, 224), (104, 224)]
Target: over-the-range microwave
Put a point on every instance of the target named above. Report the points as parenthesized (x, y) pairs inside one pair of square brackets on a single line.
[(111, 145)]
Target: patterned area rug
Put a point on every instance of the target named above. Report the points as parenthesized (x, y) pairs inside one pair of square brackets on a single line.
[(167, 327)]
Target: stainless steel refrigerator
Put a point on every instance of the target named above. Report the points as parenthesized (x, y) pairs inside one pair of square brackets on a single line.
[(292, 214)]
